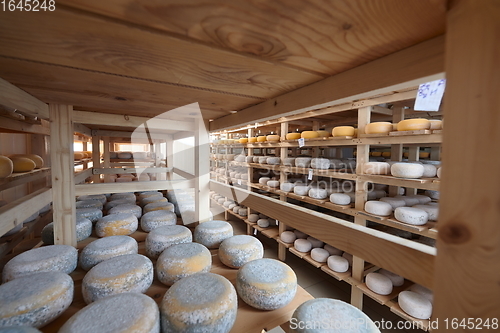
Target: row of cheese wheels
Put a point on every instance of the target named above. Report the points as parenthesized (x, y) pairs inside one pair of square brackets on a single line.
[(422, 154), (79, 155), (19, 163)]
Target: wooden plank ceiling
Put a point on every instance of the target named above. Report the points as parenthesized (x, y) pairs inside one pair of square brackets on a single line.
[(144, 58)]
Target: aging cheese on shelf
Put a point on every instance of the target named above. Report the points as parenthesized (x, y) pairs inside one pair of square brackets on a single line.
[(333, 250), (157, 218), (273, 160), (125, 195), (288, 237), (93, 214), (252, 140), (263, 223), (261, 138), (89, 204), (243, 140), (376, 168), (22, 164), (414, 124), (381, 127), (273, 138), (266, 284), (407, 170), (191, 306), (106, 248), (126, 273), (340, 199), (293, 136), (415, 304), (436, 124), (166, 206), (120, 224), (128, 209), (343, 131), (152, 199), (309, 134), (99, 197), (432, 211), (397, 280), (83, 231), (411, 215), (379, 208), (315, 242), (379, 283), (320, 163), (6, 167), (35, 300), (163, 237), (319, 254), (59, 258), (317, 193), (236, 251), (78, 155), (419, 289), (394, 202), (302, 245), (127, 312), (38, 160), (323, 134), (212, 233), (338, 263)]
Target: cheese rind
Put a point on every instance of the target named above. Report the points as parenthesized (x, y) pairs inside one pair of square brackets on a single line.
[(83, 231), (212, 233), (163, 237), (380, 127), (343, 131), (293, 136), (106, 248), (379, 283), (407, 170), (236, 251), (127, 208), (302, 245), (338, 264), (319, 254), (379, 208), (116, 225), (414, 124), (411, 215), (157, 218), (376, 168), (6, 167), (415, 304), (309, 134), (93, 214), (22, 164)]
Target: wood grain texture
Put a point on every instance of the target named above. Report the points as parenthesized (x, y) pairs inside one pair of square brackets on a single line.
[(13, 97), (77, 40), (102, 188), (404, 69), (327, 37), (467, 269)]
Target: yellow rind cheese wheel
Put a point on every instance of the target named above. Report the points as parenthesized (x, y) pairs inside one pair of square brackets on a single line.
[(424, 154), (261, 138), (376, 154), (252, 139), (243, 140), (343, 131), (6, 167), (293, 136), (436, 124), (309, 134), (323, 134), (380, 127), (414, 124), (35, 158), (386, 154), (23, 164), (78, 155), (273, 138)]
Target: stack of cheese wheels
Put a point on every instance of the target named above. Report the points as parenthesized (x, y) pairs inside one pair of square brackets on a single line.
[(266, 284), (379, 283), (125, 273), (163, 237), (128, 209), (414, 124), (22, 164), (6, 167), (407, 170), (157, 218), (181, 260), (38, 160), (320, 311), (106, 248), (273, 138), (212, 233), (293, 136), (167, 206), (116, 224), (60, 258), (343, 131), (93, 214), (381, 127), (189, 306), (83, 231), (309, 134), (36, 299), (236, 251), (127, 312)]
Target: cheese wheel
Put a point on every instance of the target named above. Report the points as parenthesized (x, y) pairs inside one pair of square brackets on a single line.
[(149, 194), (320, 163), (421, 290), (334, 315), (309, 134), (157, 218), (273, 160), (236, 251), (302, 245), (99, 197), (38, 160), (264, 180), (106, 248), (263, 223), (58, 258), (35, 300), (379, 208), (243, 140), (249, 159), (253, 218), (220, 201), (303, 162), (338, 264), (319, 254), (376, 153), (287, 187), (376, 168), (379, 283), (436, 124), (394, 202), (333, 250), (376, 194), (422, 199), (119, 224), (432, 211), (163, 237), (407, 170), (148, 200), (273, 138), (323, 134), (212, 233), (288, 161), (124, 155), (429, 171), (89, 204), (397, 280), (288, 237), (126, 273), (19, 329), (252, 140), (348, 256), (256, 159), (409, 200), (261, 138), (125, 195), (93, 214), (189, 306), (6, 167), (315, 242), (438, 173), (161, 205), (414, 124), (127, 208), (127, 312), (301, 190), (415, 305), (343, 131), (432, 194), (340, 199), (424, 154), (117, 202), (381, 127), (22, 164), (386, 154), (266, 284), (83, 231), (317, 193), (293, 136), (411, 215), (78, 155), (263, 159)]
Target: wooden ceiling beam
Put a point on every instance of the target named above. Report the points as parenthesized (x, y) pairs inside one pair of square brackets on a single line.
[(15, 98)]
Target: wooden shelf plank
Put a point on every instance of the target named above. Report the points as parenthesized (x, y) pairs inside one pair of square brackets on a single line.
[(405, 133), (287, 245), (423, 230), (384, 299), (345, 276), (421, 183), (423, 324), (23, 177)]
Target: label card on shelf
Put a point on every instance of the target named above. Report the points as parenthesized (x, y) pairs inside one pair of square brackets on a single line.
[(429, 95), (310, 174), (302, 142), (239, 181)]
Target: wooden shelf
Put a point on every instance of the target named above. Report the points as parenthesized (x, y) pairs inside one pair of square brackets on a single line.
[(384, 299), (21, 178), (421, 183), (423, 324), (321, 173), (428, 230)]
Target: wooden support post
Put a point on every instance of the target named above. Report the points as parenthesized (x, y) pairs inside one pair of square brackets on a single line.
[(63, 181), (85, 148), (283, 178), (105, 156), (413, 155), (396, 149), (169, 156), (251, 133), (358, 265), (469, 232), (96, 158), (201, 172)]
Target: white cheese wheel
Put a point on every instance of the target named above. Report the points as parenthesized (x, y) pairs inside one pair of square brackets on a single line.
[(380, 127), (287, 187), (302, 245), (181, 260), (253, 217), (242, 211), (163, 237), (376, 168), (83, 231), (414, 124), (93, 214), (309, 134), (407, 170), (293, 136), (300, 234), (301, 189), (421, 290), (273, 183), (318, 193), (127, 208), (422, 199), (99, 197), (379, 283), (338, 264), (323, 134), (315, 242), (320, 163), (244, 176), (116, 225), (438, 173), (6, 167), (220, 201), (432, 211), (288, 161), (266, 284), (189, 306), (236, 209), (343, 131), (332, 250), (409, 200), (127, 312), (19, 329), (89, 204), (415, 304), (379, 208), (340, 199), (157, 218), (264, 180), (124, 155), (151, 207), (263, 159), (273, 160), (394, 202), (376, 194), (227, 203), (436, 124), (397, 280), (263, 223), (51, 258), (303, 162), (429, 171), (236, 251), (35, 300), (334, 315), (288, 237), (249, 159), (212, 233), (106, 248), (411, 215), (319, 254), (255, 159), (432, 194), (125, 273)]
